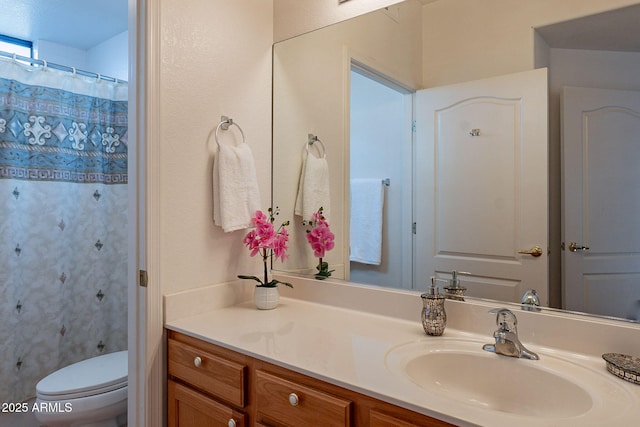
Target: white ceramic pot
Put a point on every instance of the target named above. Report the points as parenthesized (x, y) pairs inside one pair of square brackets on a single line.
[(266, 298)]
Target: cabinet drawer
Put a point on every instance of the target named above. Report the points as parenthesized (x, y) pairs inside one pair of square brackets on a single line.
[(219, 377), (409, 419), (291, 404), (378, 419), (188, 408)]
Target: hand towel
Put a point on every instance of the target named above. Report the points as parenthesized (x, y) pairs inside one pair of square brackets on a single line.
[(313, 187), (236, 196), (367, 202)]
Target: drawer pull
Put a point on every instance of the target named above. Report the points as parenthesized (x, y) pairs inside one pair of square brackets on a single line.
[(231, 422), (197, 361), (293, 399)]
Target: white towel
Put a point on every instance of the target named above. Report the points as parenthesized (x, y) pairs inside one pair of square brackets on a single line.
[(367, 201), (236, 196), (313, 187)]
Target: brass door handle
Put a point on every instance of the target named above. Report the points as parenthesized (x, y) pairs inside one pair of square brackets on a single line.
[(535, 251)]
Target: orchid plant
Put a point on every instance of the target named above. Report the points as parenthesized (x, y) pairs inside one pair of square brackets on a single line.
[(267, 241), (321, 239)]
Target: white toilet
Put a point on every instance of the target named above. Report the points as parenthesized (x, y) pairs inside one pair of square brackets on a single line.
[(90, 393)]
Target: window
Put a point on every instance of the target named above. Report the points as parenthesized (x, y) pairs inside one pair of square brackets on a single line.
[(17, 46)]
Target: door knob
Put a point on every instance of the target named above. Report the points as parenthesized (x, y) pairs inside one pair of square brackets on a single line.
[(573, 247), (535, 251)]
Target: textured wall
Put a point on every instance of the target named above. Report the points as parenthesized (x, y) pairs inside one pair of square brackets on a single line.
[(295, 17), (215, 60), (468, 39)]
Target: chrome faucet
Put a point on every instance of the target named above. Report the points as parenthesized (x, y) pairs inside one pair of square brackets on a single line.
[(530, 300), (507, 341)]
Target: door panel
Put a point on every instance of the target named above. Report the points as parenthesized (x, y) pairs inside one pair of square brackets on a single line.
[(485, 203), (601, 200), (481, 154)]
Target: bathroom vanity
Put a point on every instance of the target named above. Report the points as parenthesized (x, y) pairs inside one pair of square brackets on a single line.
[(209, 384), (369, 363)]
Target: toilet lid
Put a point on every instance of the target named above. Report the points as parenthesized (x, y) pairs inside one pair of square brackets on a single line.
[(88, 377)]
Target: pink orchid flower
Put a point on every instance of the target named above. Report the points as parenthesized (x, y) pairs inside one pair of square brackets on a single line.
[(321, 240), (265, 240)]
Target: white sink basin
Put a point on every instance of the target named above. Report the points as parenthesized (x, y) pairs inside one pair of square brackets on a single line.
[(550, 388)]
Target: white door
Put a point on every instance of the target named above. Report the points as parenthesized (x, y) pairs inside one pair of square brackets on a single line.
[(601, 201), (481, 182)]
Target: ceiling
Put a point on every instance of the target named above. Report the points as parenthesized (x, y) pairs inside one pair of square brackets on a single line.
[(77, 23), (617, 30), (86, 23)]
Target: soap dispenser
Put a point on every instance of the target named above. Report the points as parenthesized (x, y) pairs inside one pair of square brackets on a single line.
[(454, 290), (434, 316)]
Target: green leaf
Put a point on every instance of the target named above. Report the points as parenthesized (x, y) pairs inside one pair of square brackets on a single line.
[(274, 283), (240, 276), (324, 272)]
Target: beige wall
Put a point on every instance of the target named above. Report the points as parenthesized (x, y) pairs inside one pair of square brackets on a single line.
[(322, 108), (469, 39), (215, 60), (295, 17)]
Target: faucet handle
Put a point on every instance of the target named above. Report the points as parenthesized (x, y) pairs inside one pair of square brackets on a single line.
[(505, 319), (506, 336)]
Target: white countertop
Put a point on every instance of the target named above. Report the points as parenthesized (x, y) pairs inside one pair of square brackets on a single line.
[(348, 348)]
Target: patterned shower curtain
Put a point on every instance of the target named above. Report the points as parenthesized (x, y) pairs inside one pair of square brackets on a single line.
[(63, 222)]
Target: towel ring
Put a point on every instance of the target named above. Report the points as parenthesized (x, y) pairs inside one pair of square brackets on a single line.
[(312, 139), (224, 125)]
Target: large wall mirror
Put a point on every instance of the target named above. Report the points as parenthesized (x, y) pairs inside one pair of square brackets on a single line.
[(346, 107)]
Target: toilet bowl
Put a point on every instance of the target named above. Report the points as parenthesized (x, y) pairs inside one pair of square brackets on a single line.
[(90, 393)]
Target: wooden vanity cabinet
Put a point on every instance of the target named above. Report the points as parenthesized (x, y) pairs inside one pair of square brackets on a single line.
[(207, 385), (290, 403), (189, 408), (210, 385)]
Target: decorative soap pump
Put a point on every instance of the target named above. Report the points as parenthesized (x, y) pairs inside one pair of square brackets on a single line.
[(434, 316), (453, 290)]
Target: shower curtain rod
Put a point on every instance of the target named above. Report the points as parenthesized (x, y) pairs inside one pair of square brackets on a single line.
[(73, 70)]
